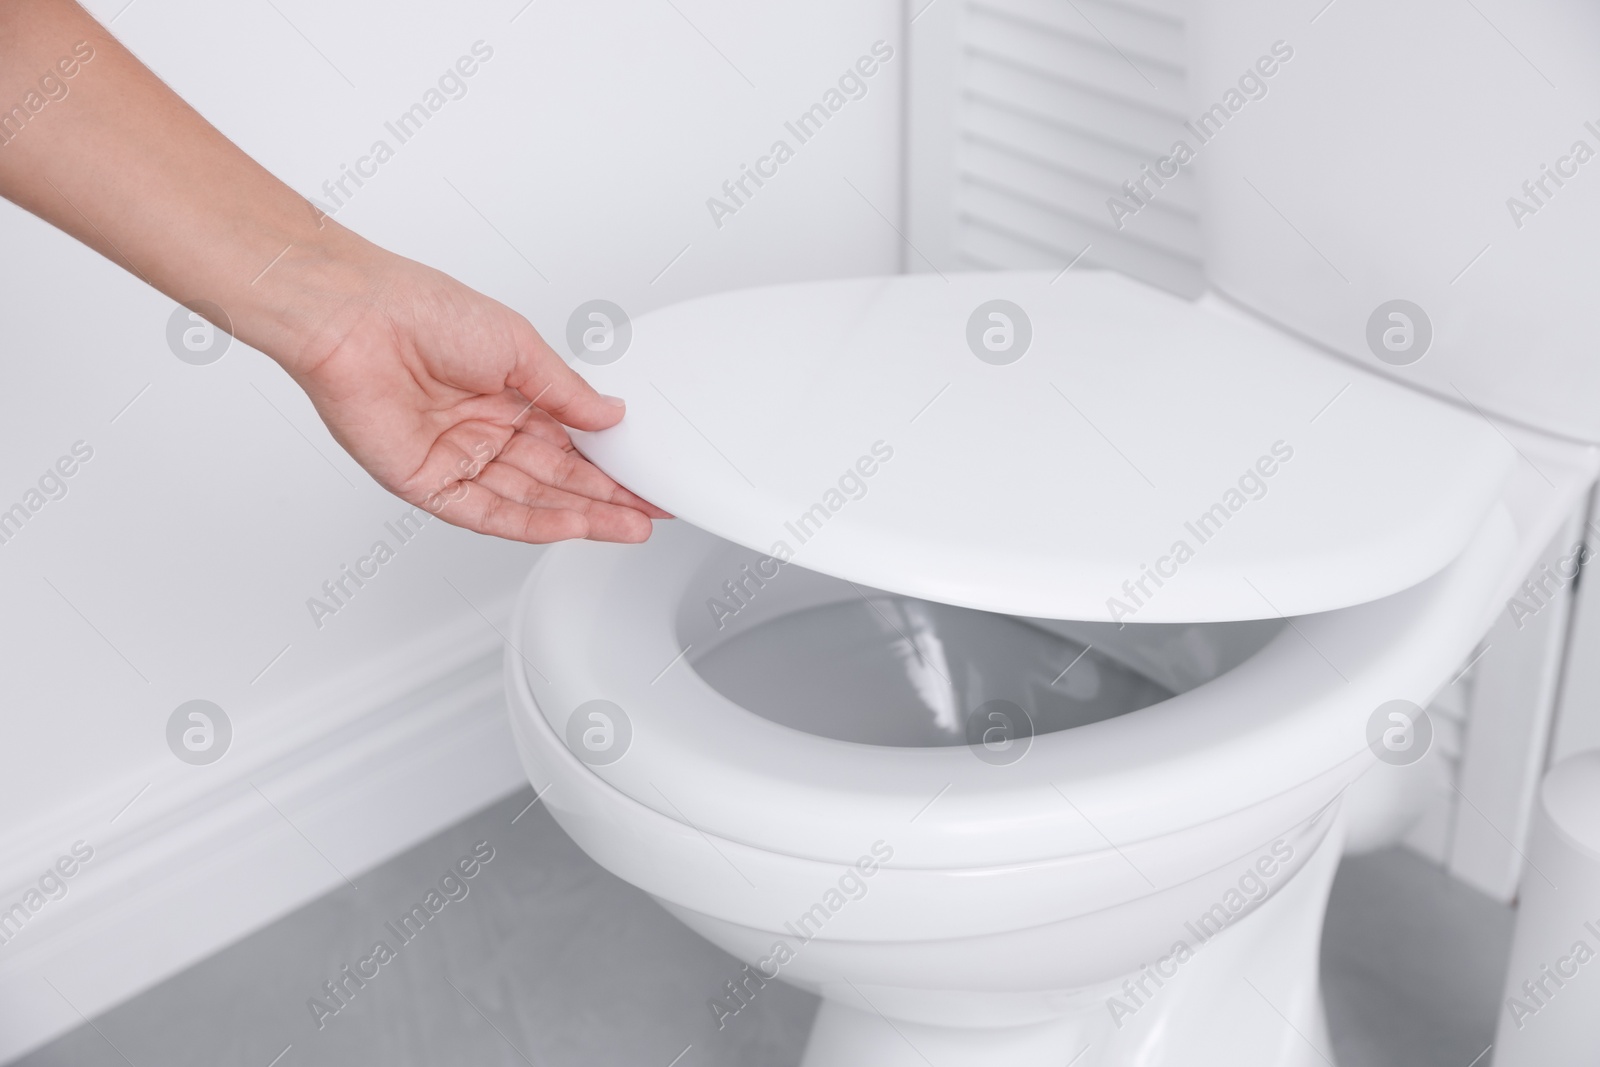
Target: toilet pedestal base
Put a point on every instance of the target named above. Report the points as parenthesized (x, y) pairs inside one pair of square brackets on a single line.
[(842, 1036), (1251, 996)]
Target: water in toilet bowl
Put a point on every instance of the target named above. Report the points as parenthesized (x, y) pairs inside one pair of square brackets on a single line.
[(892, 670)]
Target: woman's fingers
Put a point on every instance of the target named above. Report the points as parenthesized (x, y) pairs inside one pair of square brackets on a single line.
[(542, 377), (543, 451), (479, 508), (606, 521), (471, 479), (543, 429)]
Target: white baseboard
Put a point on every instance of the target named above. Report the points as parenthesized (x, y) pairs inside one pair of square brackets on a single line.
[(378, 761)]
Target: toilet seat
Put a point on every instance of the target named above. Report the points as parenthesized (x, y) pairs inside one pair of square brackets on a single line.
[(1139, 455)]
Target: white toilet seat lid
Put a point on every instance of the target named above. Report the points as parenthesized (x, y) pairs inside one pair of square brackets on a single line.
[(1146, 459)]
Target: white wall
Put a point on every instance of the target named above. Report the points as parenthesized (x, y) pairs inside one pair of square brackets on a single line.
[(179, 563)]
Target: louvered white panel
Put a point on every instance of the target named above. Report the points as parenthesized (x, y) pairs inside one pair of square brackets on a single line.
[(1435, 831), (1027, 116), (1507, 745)]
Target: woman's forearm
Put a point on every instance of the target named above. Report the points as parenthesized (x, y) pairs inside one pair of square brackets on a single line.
[(94, 143)]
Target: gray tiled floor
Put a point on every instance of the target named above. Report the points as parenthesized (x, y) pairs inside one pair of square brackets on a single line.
[(550, 961), (1412, 965)]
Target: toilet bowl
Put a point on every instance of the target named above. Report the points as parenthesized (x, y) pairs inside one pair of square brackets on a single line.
[(988, 906), (984, 817)]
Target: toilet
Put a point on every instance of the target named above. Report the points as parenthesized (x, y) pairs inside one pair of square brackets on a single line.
[(1030, 646)]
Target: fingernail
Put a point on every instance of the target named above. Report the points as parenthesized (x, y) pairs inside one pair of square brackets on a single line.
[(614, 401)]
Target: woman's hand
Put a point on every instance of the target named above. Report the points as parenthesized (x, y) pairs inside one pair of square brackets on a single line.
[(453, 402)]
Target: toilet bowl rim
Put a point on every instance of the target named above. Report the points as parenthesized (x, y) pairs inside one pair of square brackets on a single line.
[(596, 801)]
